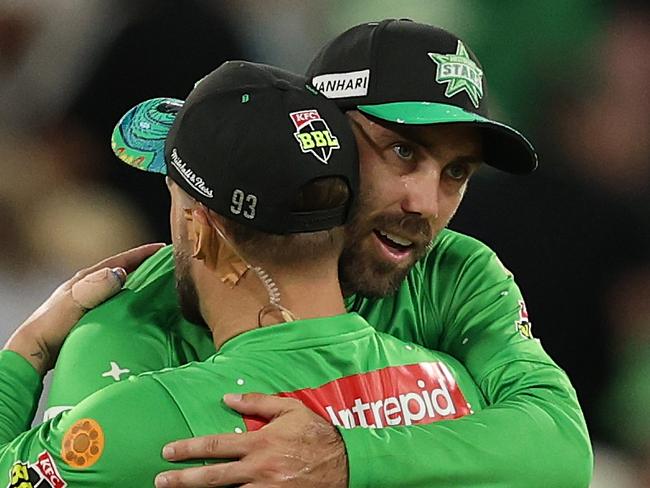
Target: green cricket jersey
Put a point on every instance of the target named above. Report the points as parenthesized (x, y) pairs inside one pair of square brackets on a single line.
[(340, 367), (458, 299)]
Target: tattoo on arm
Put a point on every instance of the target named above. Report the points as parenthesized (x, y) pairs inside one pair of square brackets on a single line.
[(40, 359)]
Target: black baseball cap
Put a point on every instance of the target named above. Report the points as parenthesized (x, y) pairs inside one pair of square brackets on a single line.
[(244, 142), (411, 73)]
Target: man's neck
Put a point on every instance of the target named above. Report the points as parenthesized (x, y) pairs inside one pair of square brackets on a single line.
[(232, 311)]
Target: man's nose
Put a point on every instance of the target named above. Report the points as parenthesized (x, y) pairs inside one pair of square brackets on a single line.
[(421, 192)]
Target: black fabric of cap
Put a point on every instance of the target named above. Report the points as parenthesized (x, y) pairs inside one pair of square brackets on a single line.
[(396, 53), (234, 146)]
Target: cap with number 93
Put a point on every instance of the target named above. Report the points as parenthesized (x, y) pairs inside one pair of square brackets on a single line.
[(244, 142)]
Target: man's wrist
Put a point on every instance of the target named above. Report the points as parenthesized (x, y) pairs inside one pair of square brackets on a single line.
[(31, 349)]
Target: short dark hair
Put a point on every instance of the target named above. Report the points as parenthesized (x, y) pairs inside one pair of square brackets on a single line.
[(295, 249)]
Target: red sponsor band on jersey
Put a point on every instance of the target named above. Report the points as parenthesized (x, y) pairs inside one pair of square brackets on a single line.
[(304, 117), (397, 395)]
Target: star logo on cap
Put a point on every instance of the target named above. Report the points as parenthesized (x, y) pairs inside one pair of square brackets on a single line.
[(460, 73)]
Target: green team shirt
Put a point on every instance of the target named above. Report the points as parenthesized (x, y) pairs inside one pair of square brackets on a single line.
[(458, 299), (340, 367)]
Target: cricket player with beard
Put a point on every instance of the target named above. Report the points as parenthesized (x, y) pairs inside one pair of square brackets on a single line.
[(416, 98), (257, 231)]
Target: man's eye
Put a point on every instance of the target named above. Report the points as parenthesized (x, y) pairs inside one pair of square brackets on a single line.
[(403, 151), (457, 172)]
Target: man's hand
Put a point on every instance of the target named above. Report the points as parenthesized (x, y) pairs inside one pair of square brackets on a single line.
[(296, 449), (41, 336)]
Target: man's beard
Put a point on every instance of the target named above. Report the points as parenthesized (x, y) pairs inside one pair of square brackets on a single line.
[(361, 271), (188, 296)]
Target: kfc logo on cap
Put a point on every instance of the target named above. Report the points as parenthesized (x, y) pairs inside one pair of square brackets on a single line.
[(314, 135)]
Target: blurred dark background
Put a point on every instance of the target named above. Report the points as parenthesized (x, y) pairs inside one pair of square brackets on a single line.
[(570, 74)]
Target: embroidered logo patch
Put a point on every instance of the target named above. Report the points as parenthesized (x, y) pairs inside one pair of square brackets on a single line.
[(523, 325), (41, 474), (313, 134), (83, 444), (460, 73)]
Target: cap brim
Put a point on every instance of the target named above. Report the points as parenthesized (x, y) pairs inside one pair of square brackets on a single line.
[(138, 139), (504, 147)]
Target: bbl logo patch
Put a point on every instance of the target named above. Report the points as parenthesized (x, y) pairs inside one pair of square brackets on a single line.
[(41, 474), (313, 134), (83, 444), (460, 73), (523, 325)]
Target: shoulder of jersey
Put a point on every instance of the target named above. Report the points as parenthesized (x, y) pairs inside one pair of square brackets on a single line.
[(453, 245), (159, 266), (197, 370), (454, 252)]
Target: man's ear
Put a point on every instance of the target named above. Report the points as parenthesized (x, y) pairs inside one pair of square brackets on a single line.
[(207, 235), (203, 236)]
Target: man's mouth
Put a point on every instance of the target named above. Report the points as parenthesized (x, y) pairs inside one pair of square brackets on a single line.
[(396, 247)]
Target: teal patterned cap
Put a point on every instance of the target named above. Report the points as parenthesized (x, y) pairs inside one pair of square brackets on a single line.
[(138, 139)]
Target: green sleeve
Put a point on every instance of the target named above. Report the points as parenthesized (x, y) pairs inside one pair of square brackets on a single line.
[(531, 434), (138, 330), (20, 390), (533, 438), (108, 440)]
